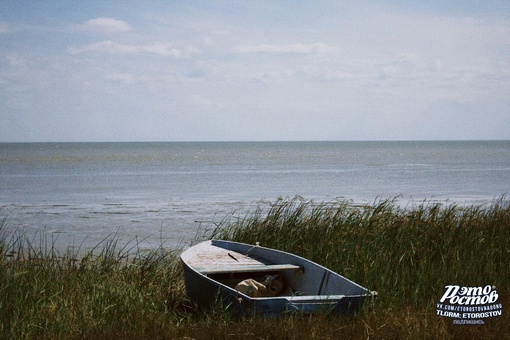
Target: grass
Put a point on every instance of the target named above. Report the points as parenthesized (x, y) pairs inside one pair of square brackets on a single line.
[(407, 255)]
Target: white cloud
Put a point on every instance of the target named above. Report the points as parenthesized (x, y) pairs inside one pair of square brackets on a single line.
[(285, 49), (157, 48), (124, 78), (4, 27), (12, 59), (103, 24)]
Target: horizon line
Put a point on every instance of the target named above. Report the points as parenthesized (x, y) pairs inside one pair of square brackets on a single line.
[(259, 141)]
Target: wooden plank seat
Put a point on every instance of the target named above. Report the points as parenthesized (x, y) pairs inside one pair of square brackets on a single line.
[(247, 269)]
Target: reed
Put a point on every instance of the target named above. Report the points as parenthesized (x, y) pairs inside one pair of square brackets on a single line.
[(44, 293), (407, 254)]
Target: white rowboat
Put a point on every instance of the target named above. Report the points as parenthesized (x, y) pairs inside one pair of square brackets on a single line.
[(212, 270)]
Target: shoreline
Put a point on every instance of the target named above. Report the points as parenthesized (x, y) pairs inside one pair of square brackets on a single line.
[(162, 226)]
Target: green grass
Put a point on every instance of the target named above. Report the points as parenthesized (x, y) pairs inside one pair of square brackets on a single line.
[(407, 255)]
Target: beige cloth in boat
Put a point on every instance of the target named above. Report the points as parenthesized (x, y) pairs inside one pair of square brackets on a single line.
[(271, 286)]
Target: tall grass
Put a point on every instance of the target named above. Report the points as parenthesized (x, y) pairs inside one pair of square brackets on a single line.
[(47, 294), (407, 255)]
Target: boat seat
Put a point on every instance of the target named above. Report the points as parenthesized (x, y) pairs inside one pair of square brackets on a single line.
[(297, 298), (249, 269)]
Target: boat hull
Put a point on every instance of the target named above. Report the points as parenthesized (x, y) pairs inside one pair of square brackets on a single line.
[(212, 268)]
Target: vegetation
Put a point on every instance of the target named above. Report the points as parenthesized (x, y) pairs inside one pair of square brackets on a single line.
[(407, 255)]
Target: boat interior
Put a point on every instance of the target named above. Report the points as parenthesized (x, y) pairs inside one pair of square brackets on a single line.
[(232, 279)]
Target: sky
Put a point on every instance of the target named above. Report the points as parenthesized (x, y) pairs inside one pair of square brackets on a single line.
[(260, 70)]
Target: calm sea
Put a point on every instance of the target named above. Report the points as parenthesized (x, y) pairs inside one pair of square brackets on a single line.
[(76, 193)]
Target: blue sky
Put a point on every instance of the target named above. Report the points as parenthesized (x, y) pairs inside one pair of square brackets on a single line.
[(254, 70)]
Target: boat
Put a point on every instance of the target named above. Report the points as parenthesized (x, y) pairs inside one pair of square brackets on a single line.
[(217, 270)]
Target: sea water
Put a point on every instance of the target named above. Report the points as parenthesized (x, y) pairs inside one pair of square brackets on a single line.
[(78, 194)]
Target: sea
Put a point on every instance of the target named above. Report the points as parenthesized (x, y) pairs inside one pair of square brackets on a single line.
[(80, 195)]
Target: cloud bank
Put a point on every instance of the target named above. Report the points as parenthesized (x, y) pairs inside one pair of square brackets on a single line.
[(255, 71), (103, 24), (157, 48)]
